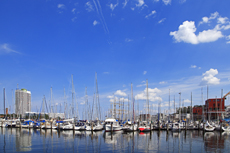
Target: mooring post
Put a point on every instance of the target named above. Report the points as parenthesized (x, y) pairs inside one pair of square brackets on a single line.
[(203, 127), (91, 126), (111, 127), (73, 129), (29, 125), (185, 126), (167, 126), (159, 128), (220, 127)]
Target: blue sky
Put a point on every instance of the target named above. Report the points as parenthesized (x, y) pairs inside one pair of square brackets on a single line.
[(181, 45)]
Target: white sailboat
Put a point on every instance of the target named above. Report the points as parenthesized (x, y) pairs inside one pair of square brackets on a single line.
[(96, 125), (208, 127), (131, 125), (176, 127), (112, 125)]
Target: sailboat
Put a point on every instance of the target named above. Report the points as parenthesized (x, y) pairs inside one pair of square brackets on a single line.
[(208, 127), (131, 126), (95, 125), (145, 127), (112, 124)]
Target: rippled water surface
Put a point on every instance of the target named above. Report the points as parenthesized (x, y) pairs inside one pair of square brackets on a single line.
[(25, 140)]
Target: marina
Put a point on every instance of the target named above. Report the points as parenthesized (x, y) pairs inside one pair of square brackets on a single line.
[(34, 140)]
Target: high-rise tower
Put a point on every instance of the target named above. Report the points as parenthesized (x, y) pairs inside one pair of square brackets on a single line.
[(22, 101)]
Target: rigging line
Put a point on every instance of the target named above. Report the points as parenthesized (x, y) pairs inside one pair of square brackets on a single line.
[(46, 105)]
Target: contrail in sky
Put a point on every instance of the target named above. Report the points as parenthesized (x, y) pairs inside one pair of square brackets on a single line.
[(100, 14)]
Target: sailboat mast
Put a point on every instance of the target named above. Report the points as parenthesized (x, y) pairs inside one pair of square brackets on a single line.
[(51, 100), (202, 103), (217, 117), (97, 99), (207, 110), (147, 98), (65, 105), (86, 104), (132, 102), (174, 107), (191, 106), (179, 106), (72, 96), (4, 101), (221, 104), (169, 106)]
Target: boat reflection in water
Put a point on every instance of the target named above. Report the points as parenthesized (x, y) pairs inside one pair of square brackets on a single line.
[(214, 141), (29, 140)]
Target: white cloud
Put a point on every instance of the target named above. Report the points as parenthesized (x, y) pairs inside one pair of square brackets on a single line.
[(113, 6), (123, 99), (89, 6), (125, 3), (5, 48), (186, 33), (207, 20), (209, 36), (152, 13), (74, 19), (228, 42), (110, 97), (166, 2), (61, 6), (162, 82), (140, 3), (95, 22), (128, 40), (182, 1), (209, 78), (222, 20), (144, 72), (227, 27), (187, 101), (152, 93), (141, 85), (73, 10), (162, 20), (193, 66), (120, 93)]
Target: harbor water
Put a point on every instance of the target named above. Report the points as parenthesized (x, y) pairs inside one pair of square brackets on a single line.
[(52, 141)]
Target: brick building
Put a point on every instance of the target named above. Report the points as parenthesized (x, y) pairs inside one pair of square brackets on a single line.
[(197, 112), (214, 107)]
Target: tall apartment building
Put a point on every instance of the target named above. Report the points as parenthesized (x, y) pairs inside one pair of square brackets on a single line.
[(22, 101)]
